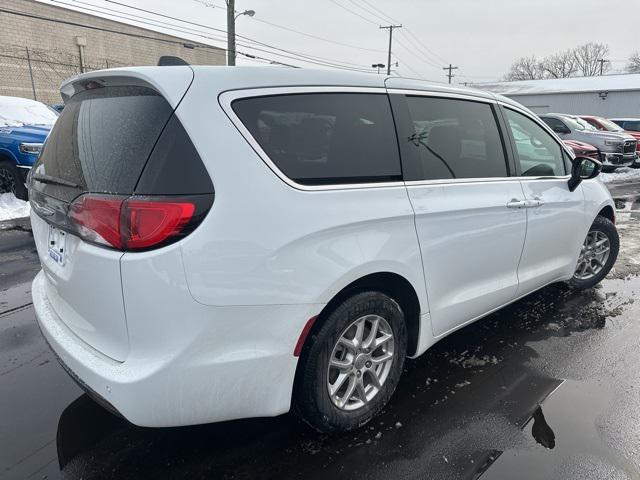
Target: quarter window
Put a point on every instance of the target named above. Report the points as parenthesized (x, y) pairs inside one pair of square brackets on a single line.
[(453, 139), (537, 153), (325, 138)]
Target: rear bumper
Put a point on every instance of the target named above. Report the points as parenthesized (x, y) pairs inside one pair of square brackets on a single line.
[(237, 364)]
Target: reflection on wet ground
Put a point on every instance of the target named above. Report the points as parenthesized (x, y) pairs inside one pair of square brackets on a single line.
[(546, 388)]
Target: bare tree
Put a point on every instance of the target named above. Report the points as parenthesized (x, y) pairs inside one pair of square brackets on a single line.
[(587, 58), (560, 65), (634, 63), (525, 68)]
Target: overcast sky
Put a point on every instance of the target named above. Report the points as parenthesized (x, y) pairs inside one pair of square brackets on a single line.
[(481, 37)]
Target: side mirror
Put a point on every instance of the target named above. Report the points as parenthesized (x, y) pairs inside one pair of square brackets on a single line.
[(583, 168)]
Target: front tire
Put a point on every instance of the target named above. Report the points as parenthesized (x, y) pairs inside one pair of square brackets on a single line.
[(598, 254), (11, 180), (353, 363)]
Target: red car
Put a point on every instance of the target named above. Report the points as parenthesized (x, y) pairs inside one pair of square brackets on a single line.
[(582, 149), (608, 126)]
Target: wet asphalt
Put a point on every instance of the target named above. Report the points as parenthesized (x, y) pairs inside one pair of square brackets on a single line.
[(547, 388)]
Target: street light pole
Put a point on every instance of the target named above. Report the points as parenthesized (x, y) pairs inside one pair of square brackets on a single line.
[(231, 33), (378, 66), (231, 30)]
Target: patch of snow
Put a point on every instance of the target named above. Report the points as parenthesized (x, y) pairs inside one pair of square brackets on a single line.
[(474, 361), (11, 207), (624, 174), (17, 112)]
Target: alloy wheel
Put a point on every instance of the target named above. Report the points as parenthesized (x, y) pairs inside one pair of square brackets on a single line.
[(593, 256), (360, 362)]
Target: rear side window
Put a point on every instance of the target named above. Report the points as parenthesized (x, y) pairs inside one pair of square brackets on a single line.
[(454, 139), (633, 126), (325, 138), (101, 141)]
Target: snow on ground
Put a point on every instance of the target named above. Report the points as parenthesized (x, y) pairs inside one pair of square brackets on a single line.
[(11, 207), (621, 175)]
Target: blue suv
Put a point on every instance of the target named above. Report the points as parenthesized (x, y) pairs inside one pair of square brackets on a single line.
[(24, 126)]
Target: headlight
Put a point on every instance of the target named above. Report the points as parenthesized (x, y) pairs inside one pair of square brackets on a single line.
[(32, 148), (612, 142)]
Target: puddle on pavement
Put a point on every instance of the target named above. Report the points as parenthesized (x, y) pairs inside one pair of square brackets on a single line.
[(566, 434)]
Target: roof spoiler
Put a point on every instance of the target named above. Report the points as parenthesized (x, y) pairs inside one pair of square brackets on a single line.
[(169, 60)]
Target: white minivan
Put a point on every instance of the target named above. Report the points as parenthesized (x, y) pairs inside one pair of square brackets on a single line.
[(220, 243)]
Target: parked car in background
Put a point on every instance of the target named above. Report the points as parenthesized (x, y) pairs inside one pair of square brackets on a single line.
[(617, 148), (629, 124), (294, 248), (24, 126), (582, 149), (605, 125), (58, 107)]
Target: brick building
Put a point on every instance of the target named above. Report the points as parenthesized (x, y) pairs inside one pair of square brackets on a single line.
[(41, 45)]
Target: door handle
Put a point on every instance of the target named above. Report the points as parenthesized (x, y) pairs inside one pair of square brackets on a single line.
[(536, 202), (514, 203)]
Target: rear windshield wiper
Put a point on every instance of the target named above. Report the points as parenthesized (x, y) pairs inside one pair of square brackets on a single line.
[(40, 177)]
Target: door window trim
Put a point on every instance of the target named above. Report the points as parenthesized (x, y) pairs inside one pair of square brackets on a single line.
[(225, 99)]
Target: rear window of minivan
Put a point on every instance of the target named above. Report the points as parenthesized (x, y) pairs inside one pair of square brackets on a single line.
[(325, 138), (102, 141)]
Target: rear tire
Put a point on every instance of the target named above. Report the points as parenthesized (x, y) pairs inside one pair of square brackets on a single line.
[(11, 180), (346, 339), (598, 255)]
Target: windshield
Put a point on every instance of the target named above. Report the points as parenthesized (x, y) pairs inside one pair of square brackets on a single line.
[(17, 112), (578, 124), (609, 125)]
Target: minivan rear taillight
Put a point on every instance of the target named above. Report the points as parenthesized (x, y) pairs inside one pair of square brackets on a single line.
[(131, 223)]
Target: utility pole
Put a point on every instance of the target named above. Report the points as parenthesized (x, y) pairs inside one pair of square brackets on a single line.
[(602, 61), (450, 74), (231, 32), (390, 27)]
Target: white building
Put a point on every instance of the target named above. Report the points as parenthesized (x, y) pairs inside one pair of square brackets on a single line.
[(607, 95)]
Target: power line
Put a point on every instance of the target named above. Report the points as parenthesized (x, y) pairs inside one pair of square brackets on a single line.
[(170, 26), (424, 46), (117, 32), (431, 60), (315, 36), (192, 31), (417, 55), (388, 19), (354, 13), (369, 12), (304, 57), (393, 20)]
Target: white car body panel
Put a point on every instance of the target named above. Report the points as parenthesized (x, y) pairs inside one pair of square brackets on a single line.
[(466, 231), (555, 232), (205, 329)]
